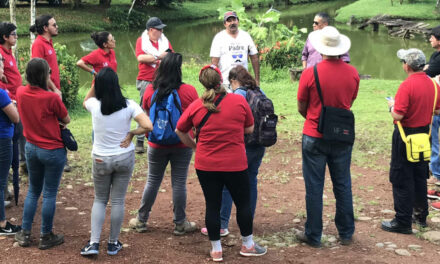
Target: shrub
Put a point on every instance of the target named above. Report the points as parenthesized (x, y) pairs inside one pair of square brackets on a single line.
[(69, 77), (119, 18)]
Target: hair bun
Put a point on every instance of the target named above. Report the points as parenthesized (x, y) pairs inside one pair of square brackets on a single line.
[(33, 28)]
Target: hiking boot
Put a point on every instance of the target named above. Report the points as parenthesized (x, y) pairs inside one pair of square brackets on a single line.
[(216, 256), (223, 231), (185, 227), (9, 229), (433, 194), (50, 240), (255, 251), (114, 248), (90, 249), (419, 222), (139, 149), (23, 237), (302, 237), (138, 225), (396, 227)]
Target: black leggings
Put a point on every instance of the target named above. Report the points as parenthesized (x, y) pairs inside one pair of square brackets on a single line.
[(237, 182)]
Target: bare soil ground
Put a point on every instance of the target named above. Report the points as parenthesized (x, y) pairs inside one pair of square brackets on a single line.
[(280, 208)]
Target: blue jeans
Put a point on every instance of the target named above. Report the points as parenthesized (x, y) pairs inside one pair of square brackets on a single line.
[(254, 157), (45, 168), (435, 159), (316, 153), (5, 164)]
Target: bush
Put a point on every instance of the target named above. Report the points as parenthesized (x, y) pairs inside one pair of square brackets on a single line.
[(118, 17), (69, 77)]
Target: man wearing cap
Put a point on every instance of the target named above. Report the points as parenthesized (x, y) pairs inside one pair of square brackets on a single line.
[(432, 69), (310, 56), (232, 46), (151, 48), (412, 106), (339, 85)]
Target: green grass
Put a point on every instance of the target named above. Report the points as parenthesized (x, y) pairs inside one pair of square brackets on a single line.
[(364, 9)]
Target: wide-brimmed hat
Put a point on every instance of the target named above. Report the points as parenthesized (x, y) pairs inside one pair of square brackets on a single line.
[(415, 58), (328, 41), (155, 22)]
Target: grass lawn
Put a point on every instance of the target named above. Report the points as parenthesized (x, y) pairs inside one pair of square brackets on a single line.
[(373, 122), (364, 9)]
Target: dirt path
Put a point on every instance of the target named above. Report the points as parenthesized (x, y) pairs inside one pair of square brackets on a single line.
[(280, 208)]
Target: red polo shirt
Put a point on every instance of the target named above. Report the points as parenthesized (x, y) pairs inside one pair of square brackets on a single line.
[(11, 72), (146, 71), (43, 48), (415, 100), (39, 112), (99, 59), (339, 85)]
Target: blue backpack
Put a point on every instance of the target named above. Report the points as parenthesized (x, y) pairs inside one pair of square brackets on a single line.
[(164, 116)]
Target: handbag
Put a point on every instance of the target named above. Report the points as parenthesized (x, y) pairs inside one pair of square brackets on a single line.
[(418, 146), (335, 124), (68, 139)]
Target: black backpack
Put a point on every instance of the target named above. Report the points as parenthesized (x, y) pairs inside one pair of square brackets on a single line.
[(265, 119)]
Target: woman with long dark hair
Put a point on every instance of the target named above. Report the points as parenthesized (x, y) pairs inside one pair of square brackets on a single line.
[(220, 156), (112, 154), (168, 79), (41, 111), (8, 116), (102, 57)]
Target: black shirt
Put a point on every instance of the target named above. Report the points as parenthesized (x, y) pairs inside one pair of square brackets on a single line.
[(434, 65)]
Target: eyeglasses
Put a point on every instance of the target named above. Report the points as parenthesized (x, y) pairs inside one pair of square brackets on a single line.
[(13, 34), (403, 61), (315, 23)]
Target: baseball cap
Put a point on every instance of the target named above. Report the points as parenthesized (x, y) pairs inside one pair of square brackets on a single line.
[(155, 22), (228, 15), (415, 58)]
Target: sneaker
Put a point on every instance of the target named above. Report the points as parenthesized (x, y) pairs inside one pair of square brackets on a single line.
[(9, 229), (216, 256), (23, 237), (436, 206), (114, 248), (67, 168), (433, 194), (139, 149), (419, 222), (185, 227), (396, 227), (90, 249), (223, 232), (137, 225), (346, 241), (255, 251), (302, 237), (50, 240), (8, 204)]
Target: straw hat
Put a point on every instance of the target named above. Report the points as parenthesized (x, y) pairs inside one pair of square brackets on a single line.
[(328, 41)]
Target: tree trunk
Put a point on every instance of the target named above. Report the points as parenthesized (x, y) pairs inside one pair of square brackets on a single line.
[(32, 36), (12, 11), (105, 2), (76, 3)]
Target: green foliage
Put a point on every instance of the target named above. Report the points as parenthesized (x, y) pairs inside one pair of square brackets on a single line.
[(279, 46), (121, 20), (68, 75)]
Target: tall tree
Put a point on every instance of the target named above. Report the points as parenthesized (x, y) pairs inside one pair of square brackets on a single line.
[(32, 22), (12, 12)]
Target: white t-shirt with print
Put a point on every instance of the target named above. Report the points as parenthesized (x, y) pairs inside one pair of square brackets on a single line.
[(232, 51), (110, 130)]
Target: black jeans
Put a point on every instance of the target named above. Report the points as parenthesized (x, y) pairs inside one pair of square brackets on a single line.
[(237, 182), (408, 180)]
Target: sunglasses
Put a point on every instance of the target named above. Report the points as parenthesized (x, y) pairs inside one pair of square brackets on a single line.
[(315, 23)]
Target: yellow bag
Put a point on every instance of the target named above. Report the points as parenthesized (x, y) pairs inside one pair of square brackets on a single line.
[(418, 147)]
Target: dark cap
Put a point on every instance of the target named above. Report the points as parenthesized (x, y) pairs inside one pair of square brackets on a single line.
[(155, 22), (228, 15), (436, 32)]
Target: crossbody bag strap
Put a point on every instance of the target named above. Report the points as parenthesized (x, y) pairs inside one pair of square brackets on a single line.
[(402, 133), (205, 118), (435, 101), (318, 86)]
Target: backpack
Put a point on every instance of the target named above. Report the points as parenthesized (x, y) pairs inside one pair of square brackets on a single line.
[(265, 119), (164, 116)]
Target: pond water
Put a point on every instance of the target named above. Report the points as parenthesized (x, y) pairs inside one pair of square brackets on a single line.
[(372, 53)]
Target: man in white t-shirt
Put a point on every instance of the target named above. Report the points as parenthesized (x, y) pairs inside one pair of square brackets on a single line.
[(232, 46)]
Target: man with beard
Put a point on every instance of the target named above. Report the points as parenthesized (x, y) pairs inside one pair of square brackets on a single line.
[(232, 46)]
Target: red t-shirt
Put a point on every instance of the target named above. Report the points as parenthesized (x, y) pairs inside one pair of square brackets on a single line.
[(11, 72), (187, 94), (339, 85), (146, 71), (99, 59), (39, 112), (415, 100), (43, 48), (221, 140)]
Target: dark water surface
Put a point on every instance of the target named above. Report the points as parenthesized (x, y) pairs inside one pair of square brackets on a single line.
[(372, 53)]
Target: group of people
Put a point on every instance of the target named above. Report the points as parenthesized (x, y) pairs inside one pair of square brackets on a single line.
[(213, 126)]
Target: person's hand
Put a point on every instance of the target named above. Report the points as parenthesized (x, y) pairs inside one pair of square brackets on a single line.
[(390, 102), (162, 55), (4, 79), (426, 67), (127, 140), (57, 91)]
